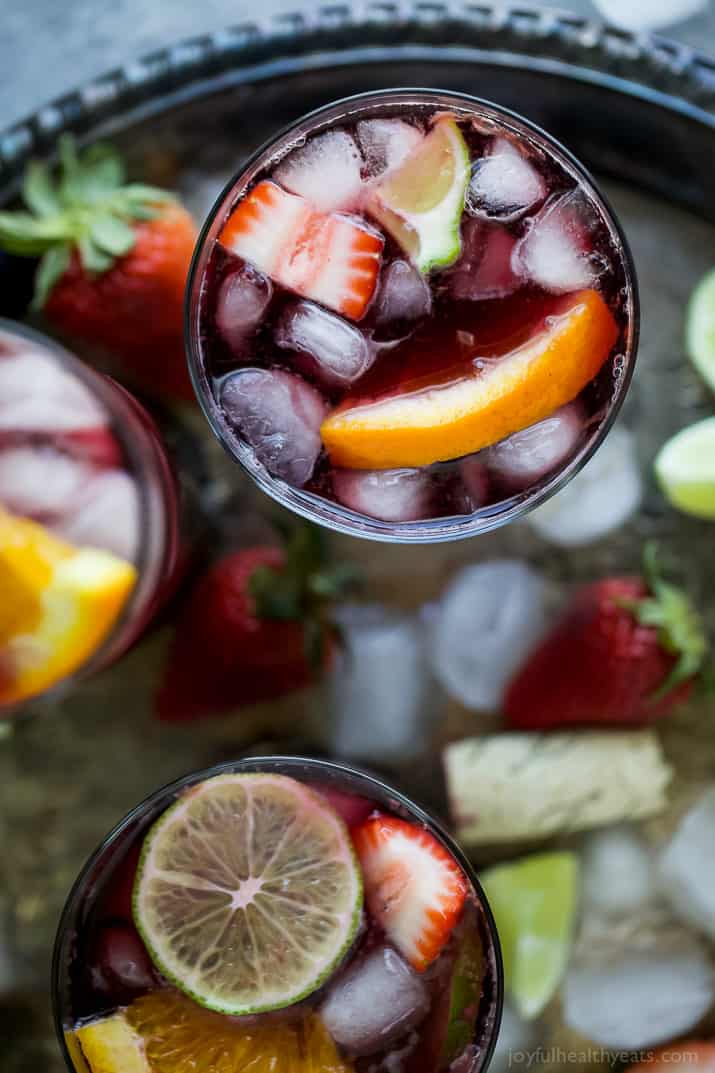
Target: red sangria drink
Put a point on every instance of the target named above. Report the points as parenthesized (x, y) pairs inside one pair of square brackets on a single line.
[(277, 914), (89, 528), (412, 316)]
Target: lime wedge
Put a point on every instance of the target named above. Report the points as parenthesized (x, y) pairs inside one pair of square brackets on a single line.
[(685, 468), (700, 328), (420, 202), (248, 892), (534, 904)]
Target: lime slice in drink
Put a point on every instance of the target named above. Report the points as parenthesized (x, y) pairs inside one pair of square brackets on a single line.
[(534, 904), (685, 468), (420, 202), (700, 328), (248, 892)]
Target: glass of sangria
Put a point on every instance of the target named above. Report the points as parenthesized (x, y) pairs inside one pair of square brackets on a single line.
[(277, 913), (90, 540), (411, 316)]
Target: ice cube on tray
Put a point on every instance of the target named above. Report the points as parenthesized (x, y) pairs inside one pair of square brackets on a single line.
[(599, 499), (379, 688), (639, 997), (488, 619), (686, 867), (618, 870)]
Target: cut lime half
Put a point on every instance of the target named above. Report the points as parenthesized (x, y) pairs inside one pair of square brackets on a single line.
[(700, 328), (685, 468), (248, 892), (534, 905), (420, 202)]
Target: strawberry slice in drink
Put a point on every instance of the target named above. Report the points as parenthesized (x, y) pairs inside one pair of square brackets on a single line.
[(323, 256), (413, 887)]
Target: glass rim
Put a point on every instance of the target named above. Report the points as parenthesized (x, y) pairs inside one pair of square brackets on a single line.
[(106, 389), (258, 764), (333, 515)]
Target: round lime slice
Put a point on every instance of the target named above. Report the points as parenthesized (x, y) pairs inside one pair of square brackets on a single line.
[(248, 892), (685, 468), (700, 328), (534, 905), (420, 202)]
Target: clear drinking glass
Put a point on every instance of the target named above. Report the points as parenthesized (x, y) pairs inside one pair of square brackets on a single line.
[(457, 514), (101, 901), (123, 494)]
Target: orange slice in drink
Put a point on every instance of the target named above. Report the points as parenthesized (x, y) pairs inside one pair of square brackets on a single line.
[(165, 1032), (482, 406), (58, 604)]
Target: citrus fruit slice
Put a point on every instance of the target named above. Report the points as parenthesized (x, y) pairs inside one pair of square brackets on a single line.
[(700, 328), (534, 904), (248, 892), (59, 603), (421, 201), (685, 468), (110, 1046), (165, 1032), (485, 405)]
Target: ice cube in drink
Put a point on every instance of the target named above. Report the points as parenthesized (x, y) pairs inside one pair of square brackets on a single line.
[(277, 914), (437, 278), (88, 518)]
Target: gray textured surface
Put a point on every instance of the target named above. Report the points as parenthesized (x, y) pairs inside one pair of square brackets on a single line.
[(50, 46)]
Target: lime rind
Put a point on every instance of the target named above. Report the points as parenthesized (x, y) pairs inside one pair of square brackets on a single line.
[(302, 987), (685, 469), (700, 328), (436, 232), (534, 902)]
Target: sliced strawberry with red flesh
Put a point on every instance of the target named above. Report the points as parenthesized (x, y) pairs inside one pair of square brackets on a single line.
[(413, 887), (98, 446), (326, 257)]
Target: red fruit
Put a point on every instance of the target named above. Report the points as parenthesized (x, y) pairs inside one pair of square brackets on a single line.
[(413, 887), (326, 257), (625, 652), (96, 446), (135, 309), (119, 962), (115, 258), (690, 1054), (254, 629), (351, 808)]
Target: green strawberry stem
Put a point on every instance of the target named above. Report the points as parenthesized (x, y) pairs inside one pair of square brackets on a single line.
[(89, 209), (304, 588), (679, 627)]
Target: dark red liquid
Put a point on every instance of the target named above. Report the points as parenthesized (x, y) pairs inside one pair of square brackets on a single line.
[(461, 330), (110, 967)]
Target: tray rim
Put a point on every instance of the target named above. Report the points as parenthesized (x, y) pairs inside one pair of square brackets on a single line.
[(285, 43)]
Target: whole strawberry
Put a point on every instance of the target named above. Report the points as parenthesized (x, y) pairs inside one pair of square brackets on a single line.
[(255, 627), (114, 262), (625, 652)]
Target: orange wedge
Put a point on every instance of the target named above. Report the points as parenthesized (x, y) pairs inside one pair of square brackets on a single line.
[(58, 604), (447, 421), (165, 1032)]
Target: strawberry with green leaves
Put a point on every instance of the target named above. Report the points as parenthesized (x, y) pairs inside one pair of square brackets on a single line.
[(256, 627), (626, 651), (114, 257)]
